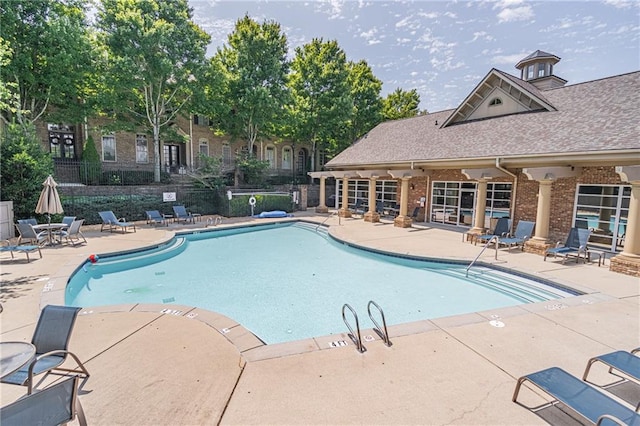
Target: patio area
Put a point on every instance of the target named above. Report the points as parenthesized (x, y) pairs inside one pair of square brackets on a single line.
[(169, 365)]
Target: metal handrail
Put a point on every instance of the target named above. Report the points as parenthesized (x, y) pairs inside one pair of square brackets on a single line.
[(357, 341), (328, 217), (492, 239), (380, 331)]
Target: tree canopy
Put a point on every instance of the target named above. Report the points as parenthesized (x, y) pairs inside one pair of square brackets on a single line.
[(155, 56), (401, 104), (47, 55), (256, 67)]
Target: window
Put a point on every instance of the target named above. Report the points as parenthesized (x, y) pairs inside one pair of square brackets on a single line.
[(61, 141), (495, 101), (359, 190), (605, 210), (530, 72), (142, 149), (109, 148), (454, 202), (226, 155), (287, 164), (203, 147), (541, 70), (270, 155)]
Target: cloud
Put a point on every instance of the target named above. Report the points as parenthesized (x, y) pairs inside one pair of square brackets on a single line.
[(478, 35), (619, 4), (509, 59), (522, 13)]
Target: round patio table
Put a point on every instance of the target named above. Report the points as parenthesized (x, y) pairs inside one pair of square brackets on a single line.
[(50, 227), (14, 355)]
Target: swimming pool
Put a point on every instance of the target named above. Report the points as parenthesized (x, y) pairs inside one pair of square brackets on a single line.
[(289, 281)]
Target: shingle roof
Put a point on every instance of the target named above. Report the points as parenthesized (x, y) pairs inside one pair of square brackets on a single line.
[(600, 115)]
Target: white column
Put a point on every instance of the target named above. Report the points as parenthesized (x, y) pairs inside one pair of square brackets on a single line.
[(544, 210), (480, 206)]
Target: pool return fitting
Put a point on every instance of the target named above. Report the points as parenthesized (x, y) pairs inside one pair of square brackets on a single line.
[(356, 337)]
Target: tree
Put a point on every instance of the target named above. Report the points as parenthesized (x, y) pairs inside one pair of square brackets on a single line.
[(255, 64), (50, 57), (90, 166), (155, 57), (321, 106), (401, 104), (24, 165), (367, 103)]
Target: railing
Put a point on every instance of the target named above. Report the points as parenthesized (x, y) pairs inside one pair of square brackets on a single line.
[(494, 240), (380, 331)]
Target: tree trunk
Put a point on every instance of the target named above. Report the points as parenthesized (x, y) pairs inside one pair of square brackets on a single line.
[(156, 149)]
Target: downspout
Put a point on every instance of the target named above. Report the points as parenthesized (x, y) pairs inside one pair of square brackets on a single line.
[(512, 213)]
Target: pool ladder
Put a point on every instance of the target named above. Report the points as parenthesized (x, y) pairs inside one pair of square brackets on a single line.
[(356, 336)]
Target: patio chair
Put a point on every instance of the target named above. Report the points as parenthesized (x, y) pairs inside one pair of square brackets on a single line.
[(26, 249), (523, 232), (182, 215), (154, 217), (51, 339), (576, 244), (53, 405), (621, 361), (110, 221), (503, 226), (416, 212), (30, 221), (585, 400), (358, 208), (68, 220), (29, 234), (73, 232)]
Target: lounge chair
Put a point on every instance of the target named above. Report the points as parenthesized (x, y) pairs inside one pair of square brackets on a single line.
[(51, 339), (26, 249), (576, 244), (28, 233), (110, 221), (503, 227), (73, 232), (416, 212), (53, 405), (182, 215), (590, 403), (520, 236), (154, 217), (358, 208), (621, 361)]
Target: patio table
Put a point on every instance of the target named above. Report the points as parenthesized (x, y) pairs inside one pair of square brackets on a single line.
[(13, 355), (50, 227)]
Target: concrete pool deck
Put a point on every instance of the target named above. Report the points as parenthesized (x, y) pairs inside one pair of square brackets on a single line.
[(149, 367)]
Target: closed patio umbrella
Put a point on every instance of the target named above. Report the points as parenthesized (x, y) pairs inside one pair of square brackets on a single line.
[(49, 202)]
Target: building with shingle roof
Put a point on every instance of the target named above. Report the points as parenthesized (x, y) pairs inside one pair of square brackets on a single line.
[(530, 148)]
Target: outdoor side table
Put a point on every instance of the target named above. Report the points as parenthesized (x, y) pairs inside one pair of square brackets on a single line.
[(13, 355)]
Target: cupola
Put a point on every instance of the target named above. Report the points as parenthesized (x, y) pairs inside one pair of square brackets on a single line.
[(537, 69)]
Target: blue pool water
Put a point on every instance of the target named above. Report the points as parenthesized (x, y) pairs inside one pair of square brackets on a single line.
[(287, 282)]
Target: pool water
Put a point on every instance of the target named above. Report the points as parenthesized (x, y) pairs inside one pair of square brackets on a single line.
[(287, 282)]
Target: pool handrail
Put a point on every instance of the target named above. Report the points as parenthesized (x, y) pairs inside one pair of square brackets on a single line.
[(356, 340), (493, 239)]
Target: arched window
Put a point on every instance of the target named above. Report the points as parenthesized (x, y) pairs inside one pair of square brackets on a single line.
[(495, 102)]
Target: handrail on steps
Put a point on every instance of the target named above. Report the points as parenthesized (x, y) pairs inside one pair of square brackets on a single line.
[(493, 239), (329, 217)]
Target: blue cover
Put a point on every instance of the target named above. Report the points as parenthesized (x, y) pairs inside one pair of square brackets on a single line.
[(272, 214)]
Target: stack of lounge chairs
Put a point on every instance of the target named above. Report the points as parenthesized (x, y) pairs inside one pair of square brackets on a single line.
[(591, 403)]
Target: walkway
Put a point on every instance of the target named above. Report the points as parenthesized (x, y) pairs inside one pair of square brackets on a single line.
[(150, 368)]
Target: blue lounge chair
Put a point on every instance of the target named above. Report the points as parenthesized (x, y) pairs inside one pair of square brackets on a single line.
[(520, 236), (576, 244), (110, 221), (587, 401), (182, 215), (73, 232), (503, 226), (154, 217), (621, 361), (26, 249)]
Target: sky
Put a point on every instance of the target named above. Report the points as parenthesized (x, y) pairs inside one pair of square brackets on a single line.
[(442, 49)]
